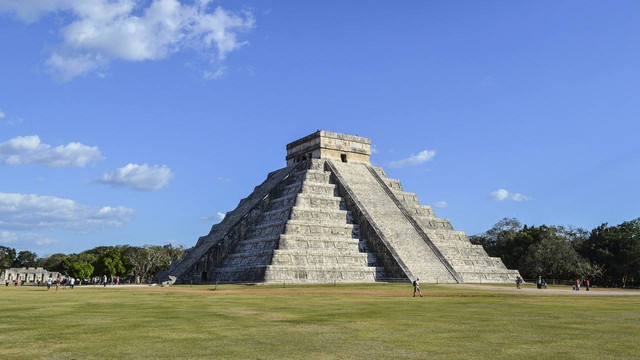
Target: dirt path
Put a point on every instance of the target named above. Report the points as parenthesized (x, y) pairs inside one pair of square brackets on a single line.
[(552, 291)]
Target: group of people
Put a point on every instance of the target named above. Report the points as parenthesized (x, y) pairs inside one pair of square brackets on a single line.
[(60, 281), (104, 280), (585, 282), (541, 283)]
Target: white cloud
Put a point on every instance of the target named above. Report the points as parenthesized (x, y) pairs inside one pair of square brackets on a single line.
[(2, 115), (413, 160), (7, 237), (94, 32), (223, 179), (503, 194), (29, 149), (25, 240), (440, 204), (215, 75), (218, 216), (45, 241), (138, 177), (32, 211)]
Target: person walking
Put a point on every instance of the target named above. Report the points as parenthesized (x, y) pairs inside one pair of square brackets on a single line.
[(587, 285), (518, 282), (416, 287), (72, 282), (104, 280), (539, 282), (58, 281), (49, 280), (577, 284)]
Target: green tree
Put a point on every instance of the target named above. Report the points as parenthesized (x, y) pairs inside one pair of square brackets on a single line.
[(111, 263), (7, 256), (551, 255), (25, 259), (54, 262), (80, 270), (617, 250), (148, 260)]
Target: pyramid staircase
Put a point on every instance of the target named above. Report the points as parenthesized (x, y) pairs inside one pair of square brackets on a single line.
[(305, 234)]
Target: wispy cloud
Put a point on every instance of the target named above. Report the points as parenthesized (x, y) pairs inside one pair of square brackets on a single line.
[(217, 217), (96, 32), (440, 204), (138, 177), (414, 160), (25, 240), (7, 238), (32, 211), (29, 149), (2, 115), (215, 75), (223, 179), (503, 194)]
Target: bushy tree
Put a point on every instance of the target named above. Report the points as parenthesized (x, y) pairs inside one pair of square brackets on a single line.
[(547, 251), (550, 254), (80, 270), (111, 263), (55, 262), (617, 250), (25, 259), (148, 260), (7, 256)]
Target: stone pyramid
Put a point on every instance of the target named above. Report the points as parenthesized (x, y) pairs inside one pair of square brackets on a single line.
[(330, 216)]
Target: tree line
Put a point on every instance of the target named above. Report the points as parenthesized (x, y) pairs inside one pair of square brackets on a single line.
[(138, 262), (607, 255)]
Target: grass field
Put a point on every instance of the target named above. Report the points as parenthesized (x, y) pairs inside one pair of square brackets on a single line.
[(377, 321)]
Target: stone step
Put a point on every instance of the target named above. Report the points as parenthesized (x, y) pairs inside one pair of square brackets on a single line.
[(268, 228), (259, 243), (292, 188), (306, 242), (320, 201), (304, 213), (434, 223), (319, 189), (276, 215), (472, 250), (285, 201), (393, 184), (322, 228), (297, 274), (328, 252), (437, 235), (306, 183), (493, 277), (313, 175), (422, 210), (479, 267), (248, 259), (406, 197), (285, 258)]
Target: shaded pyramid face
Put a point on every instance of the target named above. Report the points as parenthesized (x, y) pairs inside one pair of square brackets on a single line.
[(325, 219)]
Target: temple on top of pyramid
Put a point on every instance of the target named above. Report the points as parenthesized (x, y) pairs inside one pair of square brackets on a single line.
[(330, 216)]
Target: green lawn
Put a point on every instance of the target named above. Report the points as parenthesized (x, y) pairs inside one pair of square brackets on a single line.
[(375, 321)]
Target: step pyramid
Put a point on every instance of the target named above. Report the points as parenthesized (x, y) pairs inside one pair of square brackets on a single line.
[(329, 216)]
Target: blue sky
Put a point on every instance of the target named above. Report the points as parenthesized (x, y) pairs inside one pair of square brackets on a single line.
[(137, 122)]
